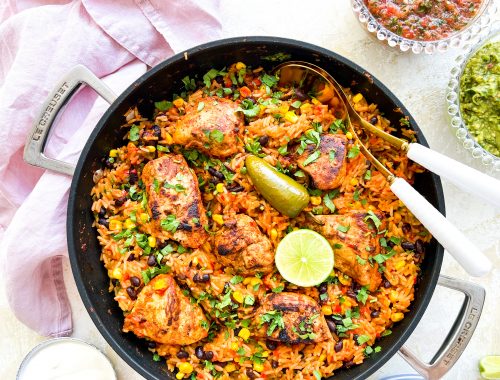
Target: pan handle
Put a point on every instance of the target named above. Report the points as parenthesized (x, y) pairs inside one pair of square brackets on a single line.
[(459, 335), (60, 95)]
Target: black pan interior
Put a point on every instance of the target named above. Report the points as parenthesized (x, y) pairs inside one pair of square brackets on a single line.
[(160, 83)]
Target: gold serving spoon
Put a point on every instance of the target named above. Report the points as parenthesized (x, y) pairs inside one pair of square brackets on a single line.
[(309, 77)]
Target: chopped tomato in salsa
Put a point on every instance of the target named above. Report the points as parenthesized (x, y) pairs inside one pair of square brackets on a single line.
[(424, 20)]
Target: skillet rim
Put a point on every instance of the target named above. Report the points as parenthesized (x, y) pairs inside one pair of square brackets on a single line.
[(72, 239)]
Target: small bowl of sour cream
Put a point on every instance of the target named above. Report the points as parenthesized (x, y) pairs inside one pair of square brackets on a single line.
[(65, 359), (473, 98)]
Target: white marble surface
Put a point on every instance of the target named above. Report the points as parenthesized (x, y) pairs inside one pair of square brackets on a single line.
[(420, 82)]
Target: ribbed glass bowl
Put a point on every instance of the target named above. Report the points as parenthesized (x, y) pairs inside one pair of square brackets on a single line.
[(453, 97), (478, 23)]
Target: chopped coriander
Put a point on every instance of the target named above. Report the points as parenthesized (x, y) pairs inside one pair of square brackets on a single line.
[(189, 83), (355, 196), (156, 185), (343, 229), (296, 104), (360, 260), (248, 301), (383, 242), (216, 135), (241, 351), (170, 223), (374, 218), (395, 240), (362, 295), (269, 80), (317, 374), (283, 150), (381, 258), (274, 319), (404, 121), (386, 332), (248, 108), (299, 174), (368, 175), (353, 152), (156, 357), (331, 155), (150, 273), (329, 203), (254, 147), (313, 157), (363, 339), (236, 280), (204, 324), (134, 133), (164, 105), (201, 105), (336, 125), (161, 148), (278, 289)]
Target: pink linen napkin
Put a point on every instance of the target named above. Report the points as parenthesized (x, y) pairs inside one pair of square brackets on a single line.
[(38, 45)]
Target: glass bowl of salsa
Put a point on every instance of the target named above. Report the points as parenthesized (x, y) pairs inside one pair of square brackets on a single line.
[(473, 97), (427, 26)]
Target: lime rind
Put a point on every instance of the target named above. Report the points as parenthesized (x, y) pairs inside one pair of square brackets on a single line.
[(304, 258), (489, 367)]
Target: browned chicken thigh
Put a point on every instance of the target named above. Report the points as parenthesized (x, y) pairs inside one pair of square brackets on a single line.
[(241, 245), (291, 318), (360, 239), (174, 200), (329, 170), (214, 128), (165, 315)]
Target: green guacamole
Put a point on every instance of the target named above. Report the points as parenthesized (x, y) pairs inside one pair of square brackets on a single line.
[(480, 97)]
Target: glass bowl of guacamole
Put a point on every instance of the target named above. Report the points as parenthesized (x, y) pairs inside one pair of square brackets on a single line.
[(474, 97), (424, 26)]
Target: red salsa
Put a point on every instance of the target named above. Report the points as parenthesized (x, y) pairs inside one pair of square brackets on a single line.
[(424, 20)]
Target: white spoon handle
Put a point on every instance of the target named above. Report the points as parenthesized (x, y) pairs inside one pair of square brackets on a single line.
[(463, 176), (457, 245)]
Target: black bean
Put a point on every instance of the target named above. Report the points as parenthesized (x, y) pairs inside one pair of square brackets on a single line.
[(151, 260), (408, 246), (104, 222), (214, 180), (182, 354), (375, 313), (374, 120), (406, 228), (151, 344), (185, 226), (131, 257), (339, 345), (131, 293), (102, 212), (198, 351), (216, 173), (331, 325), (271, 345), (387, 284), (323, 288), (205, 277), (250, 373), (391, 244), (135, 281), (109, 162), (235, 189), (355, 337), (351, 293), (225, 290), (263, 140), (133, 177), (121, 200), (349, 364), (209, 355), (419, 247), (274, 364), (156, 130), (299, 94), (236, 331)]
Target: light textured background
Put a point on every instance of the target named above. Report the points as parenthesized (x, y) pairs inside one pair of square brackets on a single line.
[(420, 82)]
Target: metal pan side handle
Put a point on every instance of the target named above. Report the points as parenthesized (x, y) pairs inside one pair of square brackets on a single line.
[(57, 98), (459, 335)]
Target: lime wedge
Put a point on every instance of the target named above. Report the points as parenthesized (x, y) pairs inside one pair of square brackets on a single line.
[(304, 258), (489, 367)]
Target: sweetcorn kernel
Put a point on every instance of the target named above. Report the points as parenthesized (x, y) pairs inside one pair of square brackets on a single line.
[(208, 197), (254, 281), (152, 241), (235, 346), (247, 280), (393, 296), (168, 138), (283, 108), (179, 375), (327, 309), (129, 224), (291, 117), (116, 274), (348, 135), (357, 98), (240, 65), (315, 101), (316, 201), (113, 153), (150, 148), (218, 219), (230, 367), (115, 225), (238, 296), (274, 233), (220, 187), (144, 218), (244, 333), (185, 367), (179, 102), (160, 284), (396, 317), (305, 108), (354, 181), (399, 264), (322, 358), (258, 367), (265, 354), (344, 280)]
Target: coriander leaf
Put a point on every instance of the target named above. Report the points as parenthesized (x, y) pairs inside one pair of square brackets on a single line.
[(236, 280), (296, 104), (217, 135), (283, 150), (368, 175), (134, 133), (249, 300), (363, 339), (177, 187), (201, 105), (362, 295), (374, 218), (360, 260), (329, 203), (336, 125), (343, 229), (170, 223), (395, 240), (386, 332), (332, 154), (189, 83), (164, 105), (269, 80), (317, 374), (248, 108), (274, 319), (313, 157), (156, 185), (278, 289), (353, 152), (156, 357)]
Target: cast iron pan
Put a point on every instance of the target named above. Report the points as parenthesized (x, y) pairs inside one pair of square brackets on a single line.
[(160, 83)]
